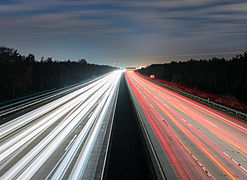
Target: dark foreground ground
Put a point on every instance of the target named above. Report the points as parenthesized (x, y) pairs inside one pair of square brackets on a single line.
[(127, 157)]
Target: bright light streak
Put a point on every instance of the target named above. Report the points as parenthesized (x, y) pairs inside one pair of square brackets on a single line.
[(18, 141), (192, 136), (73, 108)]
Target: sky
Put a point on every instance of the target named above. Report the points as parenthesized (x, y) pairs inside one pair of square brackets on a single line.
[(133, 33)]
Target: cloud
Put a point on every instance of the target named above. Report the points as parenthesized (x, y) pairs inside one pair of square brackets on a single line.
[(142, 27)]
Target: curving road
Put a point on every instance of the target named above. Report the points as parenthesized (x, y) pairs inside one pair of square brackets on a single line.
[(188, 140), (62, 139)]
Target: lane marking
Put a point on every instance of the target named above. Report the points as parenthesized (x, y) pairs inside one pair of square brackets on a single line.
[(216, 162), (210, 116), (204, 169), (206, 111), (209, 122), (90, 114), (183, 106), (70, 142), (183, 119), (238, 164), (226, 154), (243, 168), (186, 122), (203, 109), (235, 146)]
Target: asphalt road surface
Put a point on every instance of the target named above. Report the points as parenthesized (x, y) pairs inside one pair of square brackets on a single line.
[(126, 157), (56, 141), (190, 140)]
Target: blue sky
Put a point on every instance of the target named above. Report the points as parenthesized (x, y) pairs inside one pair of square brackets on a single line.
[(137, 32)]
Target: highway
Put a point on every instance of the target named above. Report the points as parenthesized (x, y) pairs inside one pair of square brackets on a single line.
[(64, 139), (188, 140), (23, 103)]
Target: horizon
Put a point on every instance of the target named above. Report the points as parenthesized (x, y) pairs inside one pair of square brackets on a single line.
[(133, 33)]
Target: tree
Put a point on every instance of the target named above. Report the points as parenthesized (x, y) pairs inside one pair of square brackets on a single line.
[(82, 61), (30, 58)]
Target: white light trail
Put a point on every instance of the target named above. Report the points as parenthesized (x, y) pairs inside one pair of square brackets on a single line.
[(70, 111)]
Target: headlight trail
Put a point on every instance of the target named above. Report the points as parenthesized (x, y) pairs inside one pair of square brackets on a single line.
[(27, 102), (191, 140), (70, 125)]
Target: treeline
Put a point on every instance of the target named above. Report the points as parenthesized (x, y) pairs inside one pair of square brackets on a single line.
[(22, 75), (218, 76)]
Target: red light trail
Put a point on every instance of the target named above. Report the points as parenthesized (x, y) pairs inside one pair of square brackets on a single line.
[(191, 140), (226, 101)]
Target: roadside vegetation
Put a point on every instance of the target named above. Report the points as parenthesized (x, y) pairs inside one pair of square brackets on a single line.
[(23, 75), (217, 76)]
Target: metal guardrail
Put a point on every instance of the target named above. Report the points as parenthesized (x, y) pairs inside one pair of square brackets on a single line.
[(210, 102), (31, 103), (201, 99), (18, 106)]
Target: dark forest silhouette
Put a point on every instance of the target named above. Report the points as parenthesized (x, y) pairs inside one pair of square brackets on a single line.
[(22, 75), (218, 76)]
